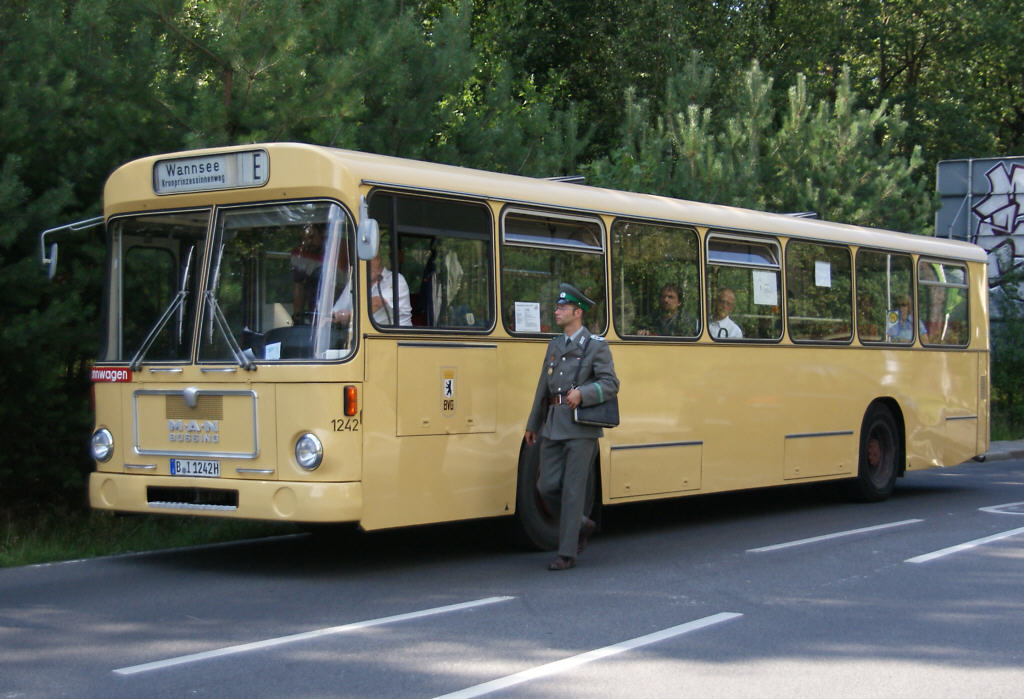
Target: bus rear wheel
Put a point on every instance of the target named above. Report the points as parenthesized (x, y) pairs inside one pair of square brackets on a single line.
[(879, 456), (536, 526)]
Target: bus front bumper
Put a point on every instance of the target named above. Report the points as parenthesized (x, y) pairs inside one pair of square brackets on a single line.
[(288, 501)]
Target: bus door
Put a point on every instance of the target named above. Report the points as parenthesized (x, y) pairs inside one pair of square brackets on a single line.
[(431, 409)]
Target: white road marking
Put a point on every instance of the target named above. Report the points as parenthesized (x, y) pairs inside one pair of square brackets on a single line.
[(588, 657), (1001, 509), (836, 535), (272, 642), (924, 558)]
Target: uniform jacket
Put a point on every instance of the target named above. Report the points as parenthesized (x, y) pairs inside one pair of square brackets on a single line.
[(597, 383)]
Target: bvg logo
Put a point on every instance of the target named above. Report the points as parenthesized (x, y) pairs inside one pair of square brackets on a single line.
[(448, 391)]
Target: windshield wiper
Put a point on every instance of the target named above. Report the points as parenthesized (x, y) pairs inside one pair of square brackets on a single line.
[(216, 316), (177, 303), (241, 358)]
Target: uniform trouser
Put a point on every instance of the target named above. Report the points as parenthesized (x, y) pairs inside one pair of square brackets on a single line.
[(564, 469)]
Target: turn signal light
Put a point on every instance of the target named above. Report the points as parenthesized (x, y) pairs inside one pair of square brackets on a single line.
[(351, 401)]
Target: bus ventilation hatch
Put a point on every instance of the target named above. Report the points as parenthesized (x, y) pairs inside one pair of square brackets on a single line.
[(192, 498)]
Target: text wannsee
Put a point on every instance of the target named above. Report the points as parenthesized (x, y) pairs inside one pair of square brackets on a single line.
[(202, 168)]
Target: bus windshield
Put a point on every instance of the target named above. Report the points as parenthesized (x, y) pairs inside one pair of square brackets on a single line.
[(266, 293)]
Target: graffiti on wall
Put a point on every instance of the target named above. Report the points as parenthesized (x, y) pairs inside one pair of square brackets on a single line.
[(1000, 227), (982, 201)]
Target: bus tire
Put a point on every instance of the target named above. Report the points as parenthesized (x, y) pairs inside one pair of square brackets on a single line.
[(880, 451), (535, 526)]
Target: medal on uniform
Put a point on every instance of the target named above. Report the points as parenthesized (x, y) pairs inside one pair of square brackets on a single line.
[(550, 371)]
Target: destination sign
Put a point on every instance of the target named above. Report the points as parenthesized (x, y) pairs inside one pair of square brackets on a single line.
[(205, 173)]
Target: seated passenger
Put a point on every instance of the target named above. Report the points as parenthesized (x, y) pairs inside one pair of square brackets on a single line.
[(671, 320), (900, 324), (721, 325), (381, 298)]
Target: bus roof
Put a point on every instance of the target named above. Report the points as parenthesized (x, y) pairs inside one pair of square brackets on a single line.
[(298, 170)]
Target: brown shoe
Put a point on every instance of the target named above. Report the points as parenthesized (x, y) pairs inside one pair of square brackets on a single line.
[(586, 529), (562, 563)]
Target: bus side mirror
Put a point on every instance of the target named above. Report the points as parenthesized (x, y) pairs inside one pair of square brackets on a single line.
[(50, 263), (368, 233)]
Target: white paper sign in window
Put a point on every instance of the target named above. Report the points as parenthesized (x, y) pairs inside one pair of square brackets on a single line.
[(766, 291), (823, 273), (527, 317)]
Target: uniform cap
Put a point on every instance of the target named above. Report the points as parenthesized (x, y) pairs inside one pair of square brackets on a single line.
[(570, 294)]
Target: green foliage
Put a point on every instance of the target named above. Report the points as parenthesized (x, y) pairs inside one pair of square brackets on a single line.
[(827, 157), (840, 107), (1008, 362), (47, 534)]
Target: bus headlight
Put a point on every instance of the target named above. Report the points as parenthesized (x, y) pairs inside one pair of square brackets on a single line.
[(102, 444), (309, 452)]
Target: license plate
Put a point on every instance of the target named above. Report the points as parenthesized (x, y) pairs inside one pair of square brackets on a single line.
[(195, 467)]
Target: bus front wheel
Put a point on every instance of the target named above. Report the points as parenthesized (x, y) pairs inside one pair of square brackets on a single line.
[(536, 526), (879, 456)]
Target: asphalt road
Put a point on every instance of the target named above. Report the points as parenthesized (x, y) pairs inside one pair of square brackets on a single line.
[(783, 592)]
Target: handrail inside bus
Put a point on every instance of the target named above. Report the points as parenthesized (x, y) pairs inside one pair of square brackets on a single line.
[(49, 262)]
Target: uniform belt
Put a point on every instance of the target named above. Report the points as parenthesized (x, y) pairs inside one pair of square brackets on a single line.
[(558, 400)]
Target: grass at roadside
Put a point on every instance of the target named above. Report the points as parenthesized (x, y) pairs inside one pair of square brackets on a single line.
[(44, 536), (1004, 429)]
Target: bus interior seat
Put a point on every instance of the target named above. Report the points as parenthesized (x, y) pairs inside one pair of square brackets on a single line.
[(276, 315)]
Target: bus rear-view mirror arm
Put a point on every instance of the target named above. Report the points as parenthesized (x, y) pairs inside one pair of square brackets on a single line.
[(48, 258)]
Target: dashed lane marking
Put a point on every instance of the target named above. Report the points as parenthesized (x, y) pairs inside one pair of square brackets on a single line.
[(924, 558), (835, 535), (588, 657), (318, 633)]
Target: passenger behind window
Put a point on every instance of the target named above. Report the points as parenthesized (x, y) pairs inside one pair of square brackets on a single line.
[(900, 323), (670, 319), (721, 326)]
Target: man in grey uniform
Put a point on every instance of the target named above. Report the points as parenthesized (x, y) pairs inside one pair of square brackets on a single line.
[(567, 450)]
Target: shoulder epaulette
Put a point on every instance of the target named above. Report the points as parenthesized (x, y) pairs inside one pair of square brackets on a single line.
[(599, 338)]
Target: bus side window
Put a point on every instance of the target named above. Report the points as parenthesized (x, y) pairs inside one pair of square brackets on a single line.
[(819, 292), (540, 250), (883, 280), (655, 280), (744, 287), (443, 251), (942, 302)]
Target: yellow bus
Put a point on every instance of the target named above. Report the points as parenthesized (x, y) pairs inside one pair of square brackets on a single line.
[(307, 334)]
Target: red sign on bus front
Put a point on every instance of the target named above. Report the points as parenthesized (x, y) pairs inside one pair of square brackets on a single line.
[(108, 374)]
